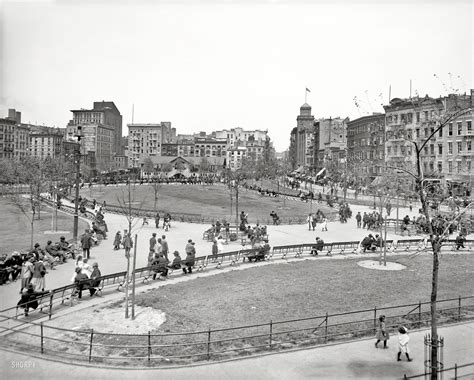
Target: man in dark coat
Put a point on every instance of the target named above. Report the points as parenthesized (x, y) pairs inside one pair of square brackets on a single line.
[(86, 242), (190, 257)]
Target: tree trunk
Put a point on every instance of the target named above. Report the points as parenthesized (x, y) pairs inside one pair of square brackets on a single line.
[(32, 222)]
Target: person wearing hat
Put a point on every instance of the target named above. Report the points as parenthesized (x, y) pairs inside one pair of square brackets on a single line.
[(117, 241), (403, 339), (176, 264), (81, 281), (94, 279), (14, 264), (29, 298), (382, 332), (190, 257), (26, 273), (65, 247), (86, 242)]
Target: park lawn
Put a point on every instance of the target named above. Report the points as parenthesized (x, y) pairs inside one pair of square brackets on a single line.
[(303, 289), (209, 201), (15, 228)]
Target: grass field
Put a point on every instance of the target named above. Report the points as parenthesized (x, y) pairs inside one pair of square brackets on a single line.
[(302, 289), (212, 201), (15, 228)]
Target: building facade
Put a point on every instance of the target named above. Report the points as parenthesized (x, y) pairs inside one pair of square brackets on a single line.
[(366, 147), (302, 139), (145, 140), (45, 141)]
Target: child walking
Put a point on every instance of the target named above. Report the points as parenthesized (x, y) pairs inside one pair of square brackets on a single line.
[(382, 332), (403, 340)]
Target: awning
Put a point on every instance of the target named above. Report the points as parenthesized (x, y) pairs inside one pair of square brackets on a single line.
[(321, 172)]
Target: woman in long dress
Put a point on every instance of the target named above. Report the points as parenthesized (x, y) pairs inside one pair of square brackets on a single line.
[(26, 273), (39, 276)]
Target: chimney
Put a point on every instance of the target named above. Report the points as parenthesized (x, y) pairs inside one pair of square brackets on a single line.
[(18, 117), (11, 113)]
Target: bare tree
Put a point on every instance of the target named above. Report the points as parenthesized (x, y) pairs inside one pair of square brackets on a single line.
[(125, 200)]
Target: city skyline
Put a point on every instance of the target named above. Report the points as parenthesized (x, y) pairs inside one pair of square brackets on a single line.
[(211, 67)]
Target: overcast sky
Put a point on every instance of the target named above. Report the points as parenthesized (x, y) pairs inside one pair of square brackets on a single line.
[(205, 66)]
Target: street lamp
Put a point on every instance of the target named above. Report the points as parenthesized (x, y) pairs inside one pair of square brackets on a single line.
[(77, 157)]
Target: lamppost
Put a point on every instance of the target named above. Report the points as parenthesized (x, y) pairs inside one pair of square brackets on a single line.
[(77, 158)]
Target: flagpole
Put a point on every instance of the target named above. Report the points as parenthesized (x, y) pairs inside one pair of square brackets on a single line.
[(305, 95)]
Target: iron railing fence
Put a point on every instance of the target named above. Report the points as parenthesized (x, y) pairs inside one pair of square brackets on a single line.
[(156, 350)]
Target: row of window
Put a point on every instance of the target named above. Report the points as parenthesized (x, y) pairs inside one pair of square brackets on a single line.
[(461, 167)]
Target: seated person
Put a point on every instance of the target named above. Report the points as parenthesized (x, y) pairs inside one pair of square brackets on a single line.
[(275, 217), (29, 299), (54, 251), (98, 230), (4, 272), (262, 252), (176, 264), (81, 281), (460, 240), (159, 265), (65, 247), (94, 279), (13, 264), (367, 243), (317, 247), (378, 241)]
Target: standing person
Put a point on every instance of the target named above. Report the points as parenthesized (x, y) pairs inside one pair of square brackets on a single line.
[(26, 273), (38, 279), (365, 220), (359, 220), (324, 226), (214, 250), (157, 220), (382, 332), (127, 243), (190, 257), (309, 220), (117, 241), (164, 246), (403, 339), (153, 244), (86, 242)]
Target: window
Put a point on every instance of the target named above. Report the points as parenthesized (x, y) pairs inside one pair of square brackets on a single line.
[(468, 166), (440, 132), (450, 166), (432, 150), (468, 145), (426, 149), (389, 149), (450, 148), (431, 166), (417, 117), (410, 117), (440, 149), (395, 149), (402, 118), (469, 126), (395, 119), (417, 132), (426, 132), (458, 166), (426, 115), (450, 129), (459, 124), (440, 166), (459, 146)]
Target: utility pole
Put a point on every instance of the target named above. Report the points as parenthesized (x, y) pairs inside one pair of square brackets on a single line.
[(77, 157)]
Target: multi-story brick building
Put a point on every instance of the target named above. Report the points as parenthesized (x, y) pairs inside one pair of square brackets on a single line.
[(145, 140), (448, 153), (14, 136), (331, 143), (46, 141), (366, 147)]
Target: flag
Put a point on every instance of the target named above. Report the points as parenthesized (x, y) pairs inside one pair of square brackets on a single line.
[(307, 89)]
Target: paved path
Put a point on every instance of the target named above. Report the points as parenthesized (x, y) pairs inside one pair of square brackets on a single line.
[(354, 360), (111, 261)]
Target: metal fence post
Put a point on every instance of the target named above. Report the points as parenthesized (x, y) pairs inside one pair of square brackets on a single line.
[(90, 345), (149, 348), (209, 344), (326, 329), (51, 305), (455, 370), (271, 333), (375, 319), (419, 312), (41, 328), (459, 307)]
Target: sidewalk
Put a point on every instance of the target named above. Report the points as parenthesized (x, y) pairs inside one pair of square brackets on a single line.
[(354, 360), (111, 261)]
